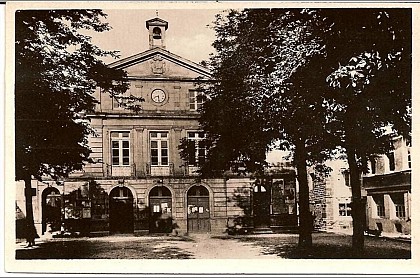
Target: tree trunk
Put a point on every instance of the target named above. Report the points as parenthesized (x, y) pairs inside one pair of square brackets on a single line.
[(305, 221), (30, 225), (358, 205)]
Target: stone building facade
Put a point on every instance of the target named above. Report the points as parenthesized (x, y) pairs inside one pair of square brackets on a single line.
[(388, 188), (139, 183), (331, 198)]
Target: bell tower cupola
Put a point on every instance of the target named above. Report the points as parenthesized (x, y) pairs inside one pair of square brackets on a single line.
[(157, 32)]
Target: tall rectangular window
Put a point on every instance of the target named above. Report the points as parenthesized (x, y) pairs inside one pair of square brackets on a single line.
[(346, 174), (391, 160), (400, 210), (409, 157), (196, 100), (159, 148), (380, 207), (398, 199), (197, 152), (120, 148), (373, 165)]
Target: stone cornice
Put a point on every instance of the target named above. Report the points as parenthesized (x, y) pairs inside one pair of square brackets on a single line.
[(144, 116)]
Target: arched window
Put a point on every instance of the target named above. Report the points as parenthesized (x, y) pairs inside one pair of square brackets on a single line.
[(121, 193), (197, 190), (160, 191), (157, 33)]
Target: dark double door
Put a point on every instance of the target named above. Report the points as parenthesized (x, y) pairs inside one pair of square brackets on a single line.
[(160, 203), (261, 207), (198, 215), (121, 217), (51, 210)]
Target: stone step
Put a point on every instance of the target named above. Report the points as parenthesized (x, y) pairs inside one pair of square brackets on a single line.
[(262, 231), (286, 229)]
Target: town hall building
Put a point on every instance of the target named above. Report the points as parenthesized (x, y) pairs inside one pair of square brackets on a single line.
[(139, 183)]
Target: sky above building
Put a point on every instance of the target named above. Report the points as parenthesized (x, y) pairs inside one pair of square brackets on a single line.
[(188, 34)]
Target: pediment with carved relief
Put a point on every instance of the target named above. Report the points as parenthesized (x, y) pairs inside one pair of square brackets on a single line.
[(159, 63)]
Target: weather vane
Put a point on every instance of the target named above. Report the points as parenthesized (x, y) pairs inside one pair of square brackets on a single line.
[(157, 13)]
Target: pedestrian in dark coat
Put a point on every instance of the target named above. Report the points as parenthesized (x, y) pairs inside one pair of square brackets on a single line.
[(30, 234)]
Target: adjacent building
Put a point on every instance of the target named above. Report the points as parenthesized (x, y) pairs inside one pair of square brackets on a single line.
[(331, 198), (388, 187)]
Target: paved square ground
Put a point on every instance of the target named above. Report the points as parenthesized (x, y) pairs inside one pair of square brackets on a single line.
[(266, 246)]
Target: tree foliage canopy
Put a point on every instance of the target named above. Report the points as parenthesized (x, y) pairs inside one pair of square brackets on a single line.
[(290, 75), (253, 101), (57, 70), (371, 90), (316, 79), (370, 80)]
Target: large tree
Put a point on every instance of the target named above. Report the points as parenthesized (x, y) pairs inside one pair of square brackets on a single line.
[(364, 80), (254, 100), (371, 50), (276, 78), (57, 71)]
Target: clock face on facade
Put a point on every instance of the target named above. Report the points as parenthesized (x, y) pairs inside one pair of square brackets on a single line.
[(158, 96)]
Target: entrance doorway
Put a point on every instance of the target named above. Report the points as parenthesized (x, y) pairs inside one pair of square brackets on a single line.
[(198, 215), (261, 206), (51, 210), (160, 203), (121, 216)]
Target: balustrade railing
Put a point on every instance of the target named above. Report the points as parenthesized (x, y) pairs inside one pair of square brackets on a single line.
[(121, 171), (150, 170)]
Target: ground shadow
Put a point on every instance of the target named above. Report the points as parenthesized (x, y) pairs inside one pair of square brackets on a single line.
[(105, 248), (327, 246)]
